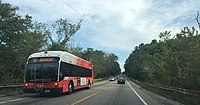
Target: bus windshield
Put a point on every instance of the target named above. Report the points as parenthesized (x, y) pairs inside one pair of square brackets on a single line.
[(42, 72)]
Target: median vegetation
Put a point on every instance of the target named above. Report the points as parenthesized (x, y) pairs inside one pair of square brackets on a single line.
[(186, 98), (20, 36)]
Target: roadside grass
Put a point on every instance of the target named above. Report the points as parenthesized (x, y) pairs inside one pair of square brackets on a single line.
[(182, 98), (101, 79), (98, 80)]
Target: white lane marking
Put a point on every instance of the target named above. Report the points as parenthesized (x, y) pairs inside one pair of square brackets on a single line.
[(137, 94), (12, 100)]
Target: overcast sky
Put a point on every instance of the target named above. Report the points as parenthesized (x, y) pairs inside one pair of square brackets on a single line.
[(114, 26)]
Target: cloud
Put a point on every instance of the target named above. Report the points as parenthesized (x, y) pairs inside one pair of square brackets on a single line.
[(115, 26)]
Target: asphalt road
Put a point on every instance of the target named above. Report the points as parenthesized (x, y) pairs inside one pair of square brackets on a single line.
[(102, 93)]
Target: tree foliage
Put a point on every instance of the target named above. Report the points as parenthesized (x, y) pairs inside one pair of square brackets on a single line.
[(64, 31), (173, 62), (20, 37), (104, 64)]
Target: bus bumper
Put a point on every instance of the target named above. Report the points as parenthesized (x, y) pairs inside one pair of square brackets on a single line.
[(42, 90)]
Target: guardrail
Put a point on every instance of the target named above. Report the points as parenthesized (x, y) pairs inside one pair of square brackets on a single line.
[(11, 85), (169, 88), (16, 85), (10, 89)]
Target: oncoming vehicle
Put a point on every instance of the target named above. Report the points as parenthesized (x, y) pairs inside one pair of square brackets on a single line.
[(111, 78), (56, 72)]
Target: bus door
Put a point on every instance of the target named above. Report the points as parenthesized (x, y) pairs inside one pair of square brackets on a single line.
[(78, 81), (81, 81)]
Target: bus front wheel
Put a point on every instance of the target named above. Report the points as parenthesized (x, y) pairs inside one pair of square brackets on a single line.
[(89, 85)]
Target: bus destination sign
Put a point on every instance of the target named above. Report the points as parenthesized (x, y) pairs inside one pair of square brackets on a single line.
[(43, 59)]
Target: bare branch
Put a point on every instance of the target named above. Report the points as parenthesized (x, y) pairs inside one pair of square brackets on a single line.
[(197, 19)]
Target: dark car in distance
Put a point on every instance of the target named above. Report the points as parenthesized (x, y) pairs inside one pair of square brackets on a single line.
[(121, 80)]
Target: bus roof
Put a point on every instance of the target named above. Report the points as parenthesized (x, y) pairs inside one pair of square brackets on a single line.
[(64, 57)]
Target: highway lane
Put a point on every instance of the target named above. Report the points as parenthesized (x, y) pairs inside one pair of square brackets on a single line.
[(114, 94), (102, 93)]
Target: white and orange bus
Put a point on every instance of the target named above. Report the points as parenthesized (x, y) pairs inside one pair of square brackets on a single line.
[(57, 72)]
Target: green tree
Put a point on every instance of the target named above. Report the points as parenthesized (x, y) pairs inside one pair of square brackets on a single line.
[(165, 35), (104, 64), (173, 62), (63, 30), (19, 37)]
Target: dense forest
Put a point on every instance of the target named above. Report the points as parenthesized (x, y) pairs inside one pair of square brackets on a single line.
[(20, 36), (172, 61)]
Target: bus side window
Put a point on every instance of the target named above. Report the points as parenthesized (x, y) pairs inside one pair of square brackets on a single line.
[(61, 77), (72, 70), (62, 69), (66, 73), (65, 69)]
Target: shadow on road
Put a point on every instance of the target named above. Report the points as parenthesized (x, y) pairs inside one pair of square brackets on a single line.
[(37, 95)]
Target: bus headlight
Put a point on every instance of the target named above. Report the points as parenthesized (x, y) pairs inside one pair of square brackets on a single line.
[(26, 84)]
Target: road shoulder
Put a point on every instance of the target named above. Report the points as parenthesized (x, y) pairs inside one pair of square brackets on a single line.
[(152, 98)]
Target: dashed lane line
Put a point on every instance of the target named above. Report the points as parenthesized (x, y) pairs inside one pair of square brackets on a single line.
[(86, 97)]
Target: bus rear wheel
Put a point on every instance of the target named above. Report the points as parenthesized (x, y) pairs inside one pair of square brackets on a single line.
[(42, 93), (70, 88)]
